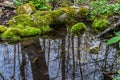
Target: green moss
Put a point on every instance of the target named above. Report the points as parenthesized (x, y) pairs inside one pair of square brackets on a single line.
[(10, 34), (39, 20), (29, 31), (27, 8), (61, 15), (68, 10), (54, 17), (55, 14), (22, 19), (100, 24), (45, 29), (2, 28), (15, 34), (78, 28), (83, 11), (41, 13)]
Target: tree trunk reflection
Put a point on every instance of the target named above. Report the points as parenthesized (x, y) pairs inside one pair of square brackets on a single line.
[(63, 58), (37, 59)]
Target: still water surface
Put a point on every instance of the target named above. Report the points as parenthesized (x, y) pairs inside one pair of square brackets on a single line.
[(62, 57)]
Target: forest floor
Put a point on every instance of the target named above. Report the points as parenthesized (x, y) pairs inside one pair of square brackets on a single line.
[(7, 10)]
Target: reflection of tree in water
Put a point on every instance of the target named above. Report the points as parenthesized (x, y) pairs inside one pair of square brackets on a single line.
[(37, 59), (23, 61), (65, 58), (69, 58)]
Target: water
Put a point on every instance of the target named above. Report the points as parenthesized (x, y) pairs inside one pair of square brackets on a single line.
[(61, 57)]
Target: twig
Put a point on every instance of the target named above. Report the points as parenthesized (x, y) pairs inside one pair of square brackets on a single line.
[(108, 29)]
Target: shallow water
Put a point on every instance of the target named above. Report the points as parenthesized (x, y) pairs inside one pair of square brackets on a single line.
[(61, 57)]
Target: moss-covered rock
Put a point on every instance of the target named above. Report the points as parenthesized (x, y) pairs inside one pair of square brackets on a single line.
[(10, 34), (82, 12), (20, 31), (2, 28), (78, 28), (100, 24), (55, 14), (27, 8), (43, 18), (39, 20), (68, 10), (29, 31), (22, 19), (45, 29)]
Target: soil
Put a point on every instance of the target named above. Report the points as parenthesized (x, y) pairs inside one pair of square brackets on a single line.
[(7, 10)]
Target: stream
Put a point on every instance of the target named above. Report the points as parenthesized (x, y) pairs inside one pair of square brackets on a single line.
[(60, 57)]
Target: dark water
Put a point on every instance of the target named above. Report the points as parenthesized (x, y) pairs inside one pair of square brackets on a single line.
[(61, 57)]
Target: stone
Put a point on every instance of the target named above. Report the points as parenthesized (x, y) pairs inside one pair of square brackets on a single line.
[(27, 8)]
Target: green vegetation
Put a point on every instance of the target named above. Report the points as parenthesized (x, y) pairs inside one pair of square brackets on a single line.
[(27, 8), (10, 34), (15, 34), (34, 17), (101, 7), (29, 31), (98, 11), (115, 39), (23, 19), (83, 11), (41, 4), (17, 2), (2, 28), (78, 28), (100, 24)]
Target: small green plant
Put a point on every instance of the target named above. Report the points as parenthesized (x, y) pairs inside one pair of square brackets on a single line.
[(101, 7), (115, 39), (41, 4), (17, 2), (100, 24), (78, 28)]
